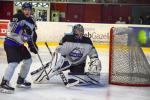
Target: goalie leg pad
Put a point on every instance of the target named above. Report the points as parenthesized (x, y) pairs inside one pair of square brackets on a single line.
[(86, 79), (59, 64)]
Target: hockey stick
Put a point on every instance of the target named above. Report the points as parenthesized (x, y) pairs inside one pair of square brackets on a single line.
[(50, 69), (48, 64), (48, 48), (45, 66), (44, 70), (63, 77), (41, 68)]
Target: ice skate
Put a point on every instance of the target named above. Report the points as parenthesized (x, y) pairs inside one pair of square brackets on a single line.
[(22, 83), (6, 88)]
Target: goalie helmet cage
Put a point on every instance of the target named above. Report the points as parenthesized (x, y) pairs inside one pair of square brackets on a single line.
[(128, 65)]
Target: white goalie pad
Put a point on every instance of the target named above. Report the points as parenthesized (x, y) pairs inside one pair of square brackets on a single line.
[(58, 64), (94, 66), (86, 79)]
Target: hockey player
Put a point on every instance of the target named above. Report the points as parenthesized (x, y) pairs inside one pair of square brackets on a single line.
[(22, 30), (74, 48)]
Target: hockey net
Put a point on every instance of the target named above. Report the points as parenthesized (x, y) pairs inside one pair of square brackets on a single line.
[(128, 63)]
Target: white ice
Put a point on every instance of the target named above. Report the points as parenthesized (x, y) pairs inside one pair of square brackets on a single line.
[(60, 92)]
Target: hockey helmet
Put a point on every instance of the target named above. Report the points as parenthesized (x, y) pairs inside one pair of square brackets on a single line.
[(78, 27), (27, 5)]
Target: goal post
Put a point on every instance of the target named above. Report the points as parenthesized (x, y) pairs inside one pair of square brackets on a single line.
[(128, 64)]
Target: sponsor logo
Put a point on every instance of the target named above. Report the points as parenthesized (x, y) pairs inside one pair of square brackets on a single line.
[(94, 35), (3, 29), (76, 54), (97, 37)]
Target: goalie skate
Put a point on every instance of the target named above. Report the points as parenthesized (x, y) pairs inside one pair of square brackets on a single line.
[(72, 82)]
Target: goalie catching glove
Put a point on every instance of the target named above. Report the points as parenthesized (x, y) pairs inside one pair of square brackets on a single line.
[(94, 65)]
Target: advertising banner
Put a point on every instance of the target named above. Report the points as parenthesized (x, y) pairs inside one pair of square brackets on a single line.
[(99, 33), (3, 28)]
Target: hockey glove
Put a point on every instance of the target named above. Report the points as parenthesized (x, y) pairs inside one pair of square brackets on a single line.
[(33, 47), (94, 66)]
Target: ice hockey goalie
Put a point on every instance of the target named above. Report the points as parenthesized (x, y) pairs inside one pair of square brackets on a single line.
[(71, 54)]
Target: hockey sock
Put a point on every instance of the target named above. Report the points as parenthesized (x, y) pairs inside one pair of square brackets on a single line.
[(10, 71)]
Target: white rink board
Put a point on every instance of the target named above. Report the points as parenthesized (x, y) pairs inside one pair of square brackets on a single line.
[(99, 33), (54, 31)]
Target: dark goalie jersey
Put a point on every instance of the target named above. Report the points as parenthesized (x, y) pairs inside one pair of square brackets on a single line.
[(20, 28), (77, 50)]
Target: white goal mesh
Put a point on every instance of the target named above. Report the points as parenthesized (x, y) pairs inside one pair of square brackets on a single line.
[(128, 64)]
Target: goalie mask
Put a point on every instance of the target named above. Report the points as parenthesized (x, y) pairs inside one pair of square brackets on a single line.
[(78, 30)]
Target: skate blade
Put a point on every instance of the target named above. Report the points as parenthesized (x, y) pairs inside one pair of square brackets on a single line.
[(22, 86), (72, 84), (6, 91)]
